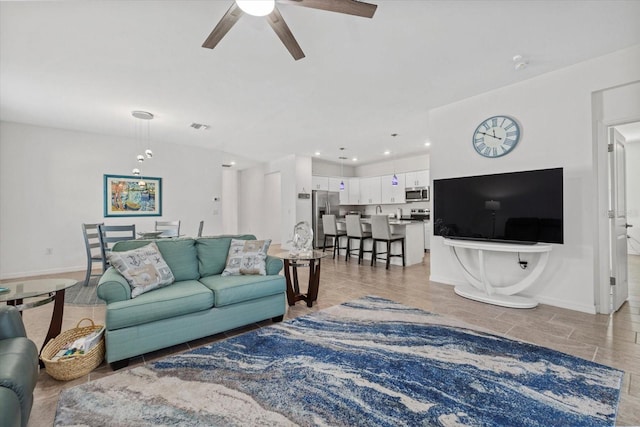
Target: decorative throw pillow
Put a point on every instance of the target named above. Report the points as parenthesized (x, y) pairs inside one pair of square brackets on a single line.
[(247, 257), (144, 268)]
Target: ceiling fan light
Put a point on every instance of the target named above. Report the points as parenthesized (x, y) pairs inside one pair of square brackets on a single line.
[(256, 7)]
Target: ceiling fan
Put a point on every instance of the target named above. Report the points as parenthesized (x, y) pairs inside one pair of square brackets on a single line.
[(269, 9)]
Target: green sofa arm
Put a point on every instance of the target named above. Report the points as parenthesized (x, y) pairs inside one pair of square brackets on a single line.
[(11, 325), (112, 287), (273, 265)]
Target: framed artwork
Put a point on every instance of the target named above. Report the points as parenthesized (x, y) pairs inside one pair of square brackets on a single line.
[(124, 196)]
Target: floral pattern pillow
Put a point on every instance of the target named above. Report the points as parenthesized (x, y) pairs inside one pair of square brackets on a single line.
[(247, 257), (144, 268)]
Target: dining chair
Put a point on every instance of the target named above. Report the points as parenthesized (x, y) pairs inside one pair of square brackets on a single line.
[(200, 228), (93, 246), (168, 228), (381, 232), (330, 227), (110, 234), (355, 232)]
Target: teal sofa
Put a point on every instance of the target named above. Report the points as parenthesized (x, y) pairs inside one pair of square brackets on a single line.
[(18, 369), (199, 303)]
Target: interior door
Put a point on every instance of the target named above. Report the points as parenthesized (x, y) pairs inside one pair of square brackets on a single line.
[(618, 220)]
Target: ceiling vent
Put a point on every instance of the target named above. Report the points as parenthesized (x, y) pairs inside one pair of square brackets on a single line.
[(199, 126), (226, 165)]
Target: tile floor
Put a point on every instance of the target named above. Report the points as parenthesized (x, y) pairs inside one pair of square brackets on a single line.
[(611, 340)]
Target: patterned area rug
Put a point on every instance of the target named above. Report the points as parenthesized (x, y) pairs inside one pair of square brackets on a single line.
[(83, 295), (367, 362)]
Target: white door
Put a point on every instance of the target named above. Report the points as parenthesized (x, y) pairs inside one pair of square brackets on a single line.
[(618, 220)]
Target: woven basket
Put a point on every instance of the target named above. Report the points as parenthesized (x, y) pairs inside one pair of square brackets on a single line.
[(72, 367)]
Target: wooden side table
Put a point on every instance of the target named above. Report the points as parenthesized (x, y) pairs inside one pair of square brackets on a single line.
[(291, 264)]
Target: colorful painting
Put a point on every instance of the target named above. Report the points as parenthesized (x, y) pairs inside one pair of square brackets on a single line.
[(132, 196)]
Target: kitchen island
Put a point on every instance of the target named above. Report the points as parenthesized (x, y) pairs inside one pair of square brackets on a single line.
[(413, 240)]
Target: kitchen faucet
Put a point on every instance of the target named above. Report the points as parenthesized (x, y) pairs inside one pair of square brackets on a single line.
[(378, 207)]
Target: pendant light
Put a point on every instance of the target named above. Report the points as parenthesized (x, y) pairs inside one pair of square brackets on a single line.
[(342, 159), (394, 178), (256, 7), (143, 135)]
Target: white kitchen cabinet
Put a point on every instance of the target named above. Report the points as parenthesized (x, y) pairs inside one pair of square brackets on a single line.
[(417, 179), (390, 193), (353, 189), (334, 185), (319, 183), (370, 191)]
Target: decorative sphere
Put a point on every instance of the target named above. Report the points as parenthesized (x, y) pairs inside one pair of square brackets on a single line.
[(142, 184), (149, 153), (136, 171), (140, 158)]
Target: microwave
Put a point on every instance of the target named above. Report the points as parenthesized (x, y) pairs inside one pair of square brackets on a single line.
[(417, 194)]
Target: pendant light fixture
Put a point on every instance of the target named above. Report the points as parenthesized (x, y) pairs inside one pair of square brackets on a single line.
[(143, 135), (256, 7), (342, 171), (394, 178)]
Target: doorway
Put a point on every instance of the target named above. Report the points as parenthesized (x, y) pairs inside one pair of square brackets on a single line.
[(631, 134), (624, 247)]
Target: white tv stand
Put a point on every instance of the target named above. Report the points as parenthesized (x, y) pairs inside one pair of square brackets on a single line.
[(481, 290)]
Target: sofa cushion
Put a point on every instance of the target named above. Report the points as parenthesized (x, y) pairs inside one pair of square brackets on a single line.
[(247, 257), (234, 289), (180, 255), (183, 297), (144, 268), (19, 369), (212, 252)]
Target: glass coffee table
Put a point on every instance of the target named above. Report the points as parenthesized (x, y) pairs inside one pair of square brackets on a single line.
[(291, 263), (39, 292)]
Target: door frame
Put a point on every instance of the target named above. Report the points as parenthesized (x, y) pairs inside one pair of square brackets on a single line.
[(602, 241)]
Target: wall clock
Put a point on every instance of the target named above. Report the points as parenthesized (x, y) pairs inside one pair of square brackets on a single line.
[(496, 136)]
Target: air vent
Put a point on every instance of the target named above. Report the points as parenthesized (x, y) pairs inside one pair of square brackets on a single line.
[(199, 126), (226, 165)]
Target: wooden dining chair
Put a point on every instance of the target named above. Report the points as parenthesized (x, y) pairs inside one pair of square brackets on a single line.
[(93, 247), (168, 228), (381, 232), (330, 228), (355, 232), (109, 234)]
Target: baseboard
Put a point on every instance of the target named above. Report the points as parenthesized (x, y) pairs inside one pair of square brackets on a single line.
[(60, 270)]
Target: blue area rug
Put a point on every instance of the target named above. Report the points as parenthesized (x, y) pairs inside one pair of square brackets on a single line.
[(367, 362)]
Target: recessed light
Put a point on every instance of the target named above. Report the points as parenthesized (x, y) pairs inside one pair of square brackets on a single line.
[(355, 159), (317, 153), (232, 162), (387, 152), (427, 144), (199, 126)]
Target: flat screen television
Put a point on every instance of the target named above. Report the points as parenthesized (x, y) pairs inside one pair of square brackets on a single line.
[(518, 207)]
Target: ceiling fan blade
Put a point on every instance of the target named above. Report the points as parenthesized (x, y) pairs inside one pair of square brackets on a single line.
[(228, 20), (282, 30), (350, 7)]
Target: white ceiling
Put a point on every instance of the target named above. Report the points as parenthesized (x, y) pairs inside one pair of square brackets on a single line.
[(85, 65)]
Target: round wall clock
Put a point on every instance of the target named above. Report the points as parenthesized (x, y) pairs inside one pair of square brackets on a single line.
[(496, 136)]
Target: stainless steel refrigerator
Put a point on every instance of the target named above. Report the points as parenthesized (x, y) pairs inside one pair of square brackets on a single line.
[(323, 202)]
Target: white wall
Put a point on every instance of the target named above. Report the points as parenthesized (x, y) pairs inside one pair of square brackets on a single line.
[(417, 162), (229, 203), (51, 181), (324, 168), (633, 195), (295, 177), (555, 113)]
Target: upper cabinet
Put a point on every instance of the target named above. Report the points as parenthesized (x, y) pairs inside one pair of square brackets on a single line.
[(417, 179), (392, 193), (319, 183), (353, 188), (370, 193)]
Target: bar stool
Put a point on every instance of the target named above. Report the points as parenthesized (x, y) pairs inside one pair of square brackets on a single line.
[(381, 232), (354, 231), (330, 228)]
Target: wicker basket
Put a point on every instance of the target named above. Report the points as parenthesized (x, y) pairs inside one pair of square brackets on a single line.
[(72, 367)]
